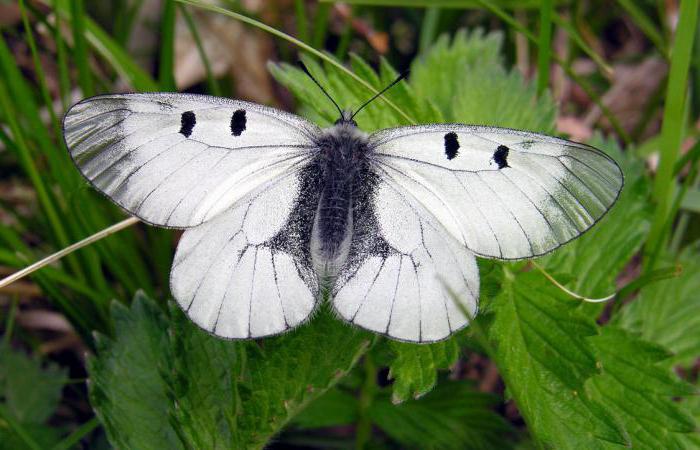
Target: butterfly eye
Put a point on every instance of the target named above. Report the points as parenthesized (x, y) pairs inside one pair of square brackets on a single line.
[(346, 121)]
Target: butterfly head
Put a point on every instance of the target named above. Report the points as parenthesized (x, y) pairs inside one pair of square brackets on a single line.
[(346, 118)]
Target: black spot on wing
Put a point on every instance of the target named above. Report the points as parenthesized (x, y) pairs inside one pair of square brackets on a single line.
[(238, 122), (500, 156), (451, 145), (187, 123)]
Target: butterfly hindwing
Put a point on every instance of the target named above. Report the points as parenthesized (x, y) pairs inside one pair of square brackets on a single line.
[(502, 193), (405, 273), (178, 160), (246, 273)]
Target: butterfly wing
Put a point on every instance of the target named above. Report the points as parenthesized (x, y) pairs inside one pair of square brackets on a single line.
[(405, 271), (178, 160), (502, 193), (233, 174), (247, 273)]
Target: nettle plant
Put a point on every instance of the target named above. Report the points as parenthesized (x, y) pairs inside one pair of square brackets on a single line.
[(582, 375)]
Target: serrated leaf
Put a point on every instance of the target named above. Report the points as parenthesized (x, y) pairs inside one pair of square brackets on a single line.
[(29, 389), (414, 367), (163, 383), (465, 78), (205, 371), (638, 390), (291, 371), (540, 348), (668, 312), (127, 389), (453, 415)]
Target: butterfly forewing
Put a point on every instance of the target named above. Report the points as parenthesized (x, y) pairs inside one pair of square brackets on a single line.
[(178, 160), (502, 193)]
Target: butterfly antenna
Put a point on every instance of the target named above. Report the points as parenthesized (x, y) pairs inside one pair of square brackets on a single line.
[(303, 67), (399, 78)]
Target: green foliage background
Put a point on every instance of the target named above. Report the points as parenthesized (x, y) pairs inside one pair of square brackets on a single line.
[(582, 376)]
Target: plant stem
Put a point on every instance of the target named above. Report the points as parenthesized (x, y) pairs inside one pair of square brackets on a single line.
[(571, 293), (68, 250), (368, 390)]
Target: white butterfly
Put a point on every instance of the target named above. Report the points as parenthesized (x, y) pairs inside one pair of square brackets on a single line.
[(278, 211)]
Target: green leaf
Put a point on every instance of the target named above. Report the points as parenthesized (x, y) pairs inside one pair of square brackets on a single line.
[(639, 391), (127, 390), (693, 405), (465, 78), (29, 390), (453, 415), (668, 312), (161, 382), (414, 368), (540, 349), (332, 409)]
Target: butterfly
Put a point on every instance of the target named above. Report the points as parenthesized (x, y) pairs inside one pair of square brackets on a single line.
[(279, 213)]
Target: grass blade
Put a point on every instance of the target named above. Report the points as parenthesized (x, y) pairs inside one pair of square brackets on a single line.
[(77, 13), (581, 43), (38, 69), (564, 65), (672, 127), (166, 63), (75, 437), (300, 44), (320, 26), (212, 83), (302, 24), (428, 29), (110, 51), (645, 24), (544, 54)]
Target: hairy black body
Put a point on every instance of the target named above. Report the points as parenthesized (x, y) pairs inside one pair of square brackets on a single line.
[(343, 165)]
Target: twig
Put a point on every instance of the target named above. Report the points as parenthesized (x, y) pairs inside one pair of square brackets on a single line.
[(68, 250), (571, 293)]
